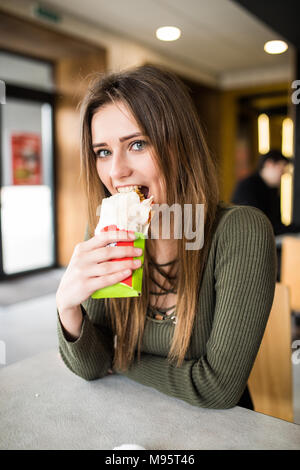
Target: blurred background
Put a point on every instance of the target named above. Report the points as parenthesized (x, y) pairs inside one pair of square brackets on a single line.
[(246, 99)]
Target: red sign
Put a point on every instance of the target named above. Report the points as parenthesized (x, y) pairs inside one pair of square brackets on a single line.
[(26, 158)]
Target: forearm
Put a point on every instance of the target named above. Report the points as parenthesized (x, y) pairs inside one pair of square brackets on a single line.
[(195, 381), (71, 321)]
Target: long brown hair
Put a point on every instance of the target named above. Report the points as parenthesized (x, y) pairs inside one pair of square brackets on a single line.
[(165, 113)]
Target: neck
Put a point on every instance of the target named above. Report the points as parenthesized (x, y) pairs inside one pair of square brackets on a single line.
[(164, 250)]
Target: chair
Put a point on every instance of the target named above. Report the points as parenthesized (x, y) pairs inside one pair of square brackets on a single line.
[(290, 269), (270, 381)]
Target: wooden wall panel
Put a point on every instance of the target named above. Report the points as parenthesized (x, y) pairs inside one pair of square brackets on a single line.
[(72, 76), (290, 269)]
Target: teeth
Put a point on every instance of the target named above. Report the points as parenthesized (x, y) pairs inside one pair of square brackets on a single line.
[(127, 189)]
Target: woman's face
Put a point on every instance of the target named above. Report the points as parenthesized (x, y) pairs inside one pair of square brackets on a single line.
[(123, 153)]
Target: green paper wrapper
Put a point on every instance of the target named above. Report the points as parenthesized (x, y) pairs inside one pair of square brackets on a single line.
[(131, 286)]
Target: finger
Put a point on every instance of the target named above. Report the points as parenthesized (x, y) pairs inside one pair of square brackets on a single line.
[(109, 280), (104, 238), (112, 252), (110, 267)]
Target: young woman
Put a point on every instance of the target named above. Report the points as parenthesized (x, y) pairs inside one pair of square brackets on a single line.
[(196, 329)]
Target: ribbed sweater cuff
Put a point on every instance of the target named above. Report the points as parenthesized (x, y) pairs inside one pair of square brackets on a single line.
[(89, 356), (64, 335)]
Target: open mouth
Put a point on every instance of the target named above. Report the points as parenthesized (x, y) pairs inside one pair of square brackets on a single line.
[(143, 191)]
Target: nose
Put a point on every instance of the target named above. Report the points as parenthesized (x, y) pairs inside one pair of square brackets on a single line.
[(120, 167)]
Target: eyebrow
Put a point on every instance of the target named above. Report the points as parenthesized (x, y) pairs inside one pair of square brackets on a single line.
[(121, 139)]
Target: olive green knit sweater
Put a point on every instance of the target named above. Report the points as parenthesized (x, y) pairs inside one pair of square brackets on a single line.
[(234, 304)]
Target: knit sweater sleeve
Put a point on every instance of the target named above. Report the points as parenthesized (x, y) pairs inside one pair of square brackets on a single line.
[(244, 283), (89, 356)]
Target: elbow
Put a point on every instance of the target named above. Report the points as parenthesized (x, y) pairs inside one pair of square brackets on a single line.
[(227, 399), (223, 399), (84, 373), (88, 375), (90, 378), (226, 405)]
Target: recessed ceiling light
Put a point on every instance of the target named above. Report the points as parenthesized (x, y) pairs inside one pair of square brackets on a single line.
[(168, 33), (275, 47)]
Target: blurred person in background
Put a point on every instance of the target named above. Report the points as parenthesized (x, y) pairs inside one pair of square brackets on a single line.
[(262, 190)]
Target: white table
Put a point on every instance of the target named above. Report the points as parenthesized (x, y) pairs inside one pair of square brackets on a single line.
[(43, 405)]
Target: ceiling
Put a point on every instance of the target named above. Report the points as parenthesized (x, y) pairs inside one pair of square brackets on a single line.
[(281, 15), (218, 36)]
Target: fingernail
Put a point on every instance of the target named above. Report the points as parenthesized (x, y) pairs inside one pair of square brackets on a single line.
[(137, 262), (132, 235), (138, 251)]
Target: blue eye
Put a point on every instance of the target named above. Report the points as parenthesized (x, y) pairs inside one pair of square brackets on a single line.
[(139, 145), (136, 146), (102, 153)]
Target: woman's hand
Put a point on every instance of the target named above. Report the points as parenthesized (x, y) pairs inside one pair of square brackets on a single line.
[(91, 268)]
